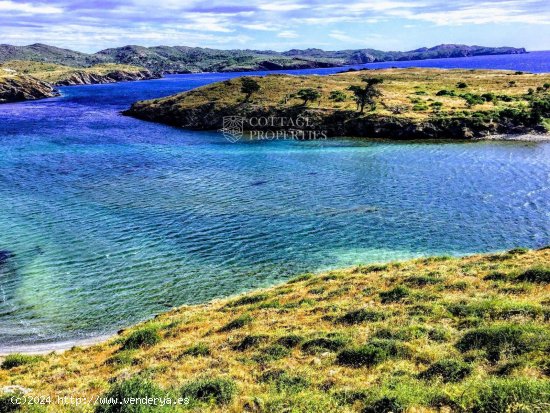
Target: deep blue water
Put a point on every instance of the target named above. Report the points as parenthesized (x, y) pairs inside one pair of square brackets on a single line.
[(106, 220)]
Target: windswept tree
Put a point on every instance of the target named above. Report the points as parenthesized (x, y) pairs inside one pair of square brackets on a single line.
[(308, 95), (249, 86), (366, 95)]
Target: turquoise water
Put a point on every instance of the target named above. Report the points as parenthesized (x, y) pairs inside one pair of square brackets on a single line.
[(106, 220)]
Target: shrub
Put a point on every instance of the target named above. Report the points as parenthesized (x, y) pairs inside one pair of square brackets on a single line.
[(218, 390), (197, 350), (337, 96), (290, 383), (329, 343), (248, 299), (511, 395), (518, 251), (238, 322), (362, 356), (249, 342), (447, 371), (461, 85), (121, 358), (499, 339), (290, 341), (422, 280), (394, 295), (274, 352), (535, 275), (496, 276), (136, 388), (384, 405), (404, 334), (16, 360), (144, 337), (361, 316), (445, 92), (439, 335), (7, 405)]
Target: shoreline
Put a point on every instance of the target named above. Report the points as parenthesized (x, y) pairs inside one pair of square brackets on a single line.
[(54, 347)]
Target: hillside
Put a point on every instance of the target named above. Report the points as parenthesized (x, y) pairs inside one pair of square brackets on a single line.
[(429, 335), (15, 87), (409, 103), (60, 75), (183, 59)]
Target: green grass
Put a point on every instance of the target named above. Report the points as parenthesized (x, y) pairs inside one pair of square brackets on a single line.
[(437, 348), (16, 360)]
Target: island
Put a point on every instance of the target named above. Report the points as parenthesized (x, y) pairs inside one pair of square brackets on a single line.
[(436, 334), (395, 103)]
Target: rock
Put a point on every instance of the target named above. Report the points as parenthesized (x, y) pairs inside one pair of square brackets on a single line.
[(83, 77), (23, 87)]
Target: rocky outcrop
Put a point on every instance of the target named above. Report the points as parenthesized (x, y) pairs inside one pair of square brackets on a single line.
[(21, 87), (84, 77)]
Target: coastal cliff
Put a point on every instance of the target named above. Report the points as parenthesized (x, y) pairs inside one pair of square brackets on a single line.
[(14, 88), (25, 80), (407, 104), (429, 335)]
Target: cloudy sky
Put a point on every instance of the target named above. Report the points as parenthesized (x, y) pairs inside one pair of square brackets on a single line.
[(89, 25)]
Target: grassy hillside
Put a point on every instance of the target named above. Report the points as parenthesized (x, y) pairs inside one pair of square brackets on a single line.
[(60, 74), (462, 103), (428, 335), (15, 87)]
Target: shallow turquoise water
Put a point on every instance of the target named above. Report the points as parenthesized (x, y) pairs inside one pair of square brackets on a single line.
[(106, 220)]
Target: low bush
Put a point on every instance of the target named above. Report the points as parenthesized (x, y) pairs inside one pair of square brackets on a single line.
[(274, 352), (132, 388), (504, 339), (535, 275), (422, 280), (363, 356), (16, 360), (290, 341), (447, 371), (122, 358), (384, 405), (197, 350), (7, 404), (250, 341), (361, 316), (248, 299), (144, 337), (394, 295), (329, 343), (236, 323), (510, 395), (218, 390)]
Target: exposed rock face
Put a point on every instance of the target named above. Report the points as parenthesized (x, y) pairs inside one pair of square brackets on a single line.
[(21, 87), (88, 78)]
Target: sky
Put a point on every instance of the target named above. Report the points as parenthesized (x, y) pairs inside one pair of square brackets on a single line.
[(92, 25)]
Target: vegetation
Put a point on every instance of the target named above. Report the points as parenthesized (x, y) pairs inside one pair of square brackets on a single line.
[(16, 360), (249, 86), (389, 103), (429, 335)]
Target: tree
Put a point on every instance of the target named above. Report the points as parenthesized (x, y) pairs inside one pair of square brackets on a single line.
[(249, 86), (308, 95), (365, 95)]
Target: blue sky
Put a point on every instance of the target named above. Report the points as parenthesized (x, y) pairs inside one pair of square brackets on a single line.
[(89, 25)]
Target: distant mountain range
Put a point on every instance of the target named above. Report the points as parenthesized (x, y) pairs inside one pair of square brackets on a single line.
[(183, 59)]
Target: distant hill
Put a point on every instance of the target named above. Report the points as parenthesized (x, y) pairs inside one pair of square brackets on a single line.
[(183, 59)]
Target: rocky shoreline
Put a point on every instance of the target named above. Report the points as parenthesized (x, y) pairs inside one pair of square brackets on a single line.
[(21, 87)]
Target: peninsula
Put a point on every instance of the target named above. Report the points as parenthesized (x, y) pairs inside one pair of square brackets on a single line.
[(390, 103)]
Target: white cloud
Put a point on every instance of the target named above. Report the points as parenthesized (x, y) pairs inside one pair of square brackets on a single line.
[(288, 34), (28, 8)]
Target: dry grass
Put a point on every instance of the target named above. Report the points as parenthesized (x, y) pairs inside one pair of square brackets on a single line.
[(53, 73), (434, 303), (409, 93)]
